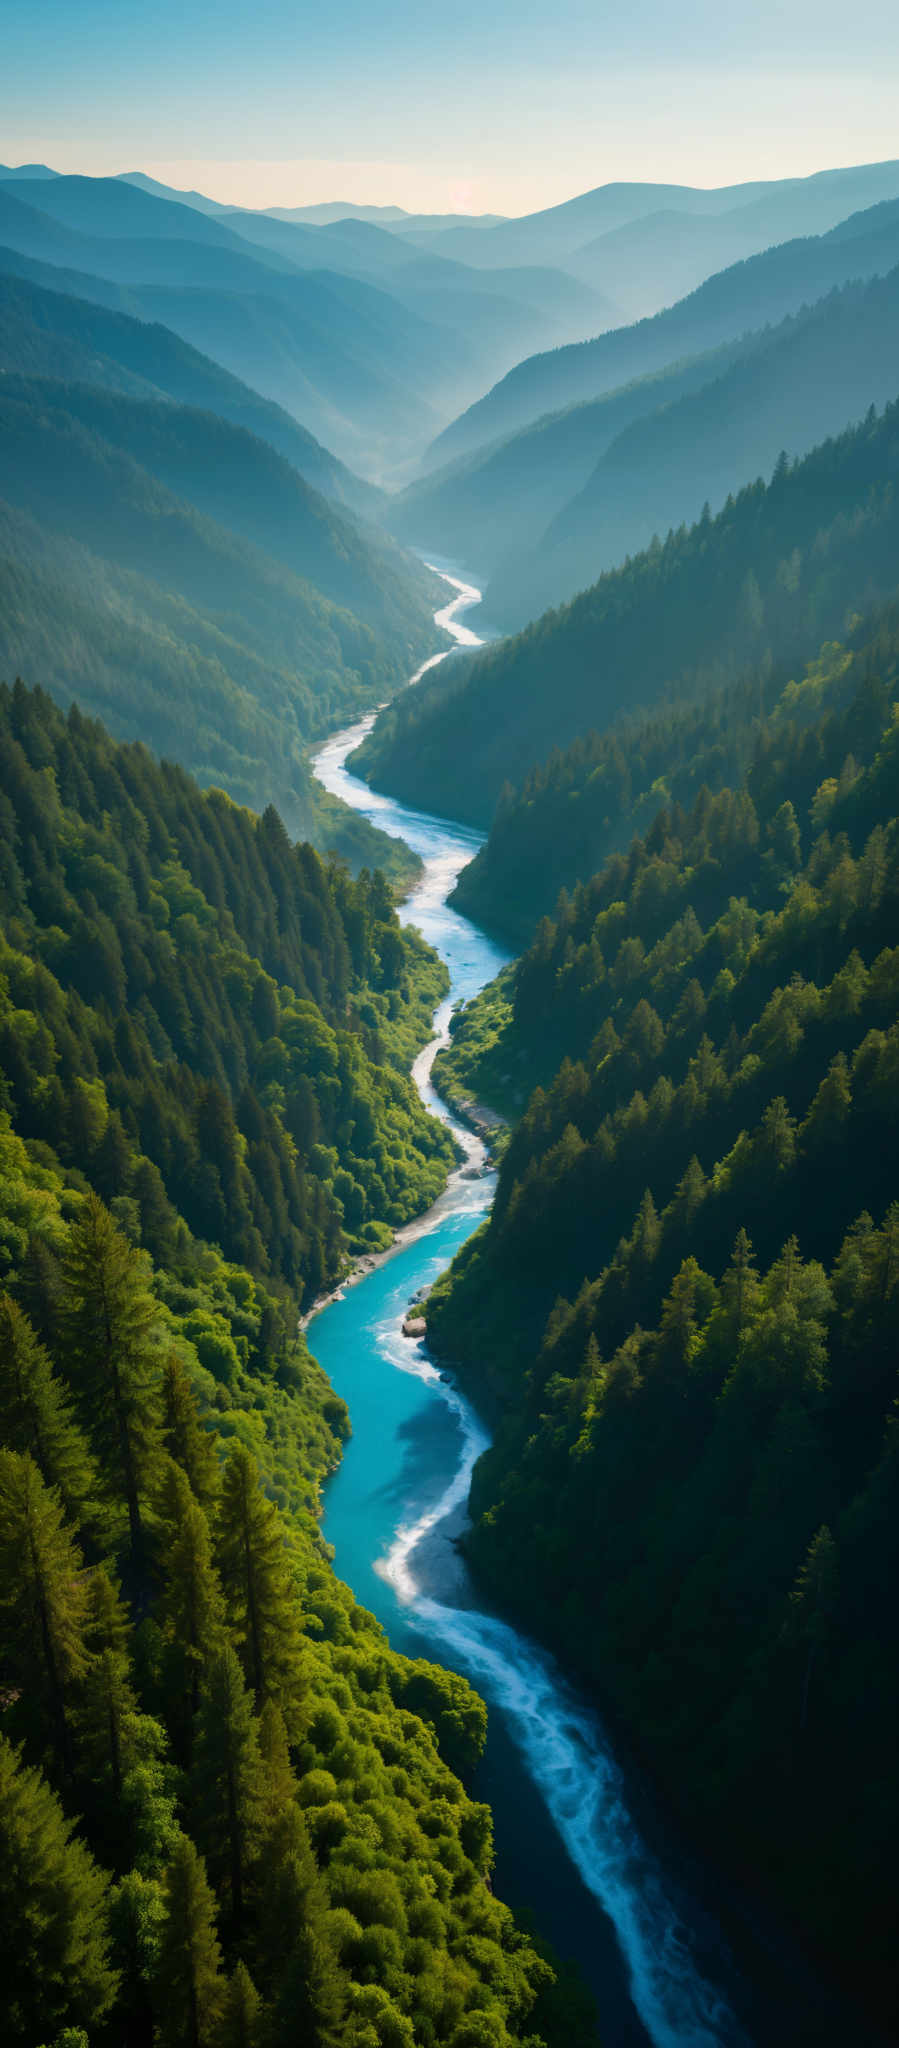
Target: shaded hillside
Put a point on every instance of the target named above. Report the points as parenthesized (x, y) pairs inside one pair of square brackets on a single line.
[(51, 325), (770, 577), (558, 234), (199, 1743), (683, 1309), (494, 503), (239, 481), (123, 594), (736, 300), (812, 375)]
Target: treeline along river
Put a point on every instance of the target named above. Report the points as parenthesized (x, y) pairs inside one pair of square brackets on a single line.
[(576, 1848)]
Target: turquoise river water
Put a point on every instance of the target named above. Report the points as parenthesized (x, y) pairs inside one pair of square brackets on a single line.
[(602, 1884)]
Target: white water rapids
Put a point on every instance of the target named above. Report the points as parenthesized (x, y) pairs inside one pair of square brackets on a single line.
[(559, 1739)]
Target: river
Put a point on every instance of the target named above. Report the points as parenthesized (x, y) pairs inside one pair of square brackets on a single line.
[(569, 1847)]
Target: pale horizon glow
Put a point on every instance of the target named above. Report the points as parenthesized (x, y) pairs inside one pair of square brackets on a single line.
[(503, 110)]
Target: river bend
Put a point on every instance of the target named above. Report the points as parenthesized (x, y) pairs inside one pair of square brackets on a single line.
[(569, 1849)]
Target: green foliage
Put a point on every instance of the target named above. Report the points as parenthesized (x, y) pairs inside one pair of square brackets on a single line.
[(177, 1653), (55, 1946), (206, 1022), (765, 582), (697, 1439), (189, 1986)]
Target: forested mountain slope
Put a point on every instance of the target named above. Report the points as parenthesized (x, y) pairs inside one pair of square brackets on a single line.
[(236, 1808), (497, 501), (733, 302), (560, 234), (121, 592), (812, 375), (51, 326), (368, 340), (771, 576), (682, 1312), (239, 481)]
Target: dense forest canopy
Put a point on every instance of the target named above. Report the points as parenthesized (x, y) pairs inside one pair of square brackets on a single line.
[(229, 1810), (682, 1311), (778, 570), (164, 558)]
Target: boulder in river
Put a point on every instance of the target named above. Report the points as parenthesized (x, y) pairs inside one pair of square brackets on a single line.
[(414, 1326)]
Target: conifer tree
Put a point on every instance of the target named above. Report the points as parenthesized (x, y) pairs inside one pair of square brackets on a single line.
[(54, 1947), (184, 1437), (190, 1610), (189, 1987), (42, 1597), (111, 1319), (36, 1414), (227, 1780), (812, 1603), (108, 1703), (296, 1963), (260, 1598), (240, 2025), (279, 1779)]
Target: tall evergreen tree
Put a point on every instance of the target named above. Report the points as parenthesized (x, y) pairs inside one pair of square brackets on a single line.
[(190, 1610), (261, 1599), (36, 1413), (189, 1986), (296, 1963), (43, 1597), (227, 1780), (184, 1437), (240, 2025), (54, 1949), (111, 1321)]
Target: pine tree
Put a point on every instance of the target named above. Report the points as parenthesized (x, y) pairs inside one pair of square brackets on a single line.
[(108, 1703), (812, 1601), (184, 1438), (260, 1598), (189, 1988), (42, 1597), (37, 1414), (54, 1947), (296, 1963), (227, 1779), (190, 1610), (240, 2025), (279, 1780), (111, 1320)]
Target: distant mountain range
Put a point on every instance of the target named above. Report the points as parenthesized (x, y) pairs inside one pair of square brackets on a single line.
[(779, 568), (370, 341), (464, 301), (166, 560)]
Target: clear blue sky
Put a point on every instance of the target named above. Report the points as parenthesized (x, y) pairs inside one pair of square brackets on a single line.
[(504, 105)]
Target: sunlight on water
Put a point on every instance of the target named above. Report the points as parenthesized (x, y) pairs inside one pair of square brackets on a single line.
[(388, 1499)]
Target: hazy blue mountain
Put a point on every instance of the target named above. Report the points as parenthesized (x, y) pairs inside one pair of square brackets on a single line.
[(27, 171), (776, 569), (763, 288), (199, 200), (492, 505), (556, 233), (376, 375), (114, 206), (171, 624), (358, 368), (814, 374), (55, 332), (657, 259), (239, 481), (393, 217)]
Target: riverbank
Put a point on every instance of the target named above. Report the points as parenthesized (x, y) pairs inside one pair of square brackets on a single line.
[(568, 1848)]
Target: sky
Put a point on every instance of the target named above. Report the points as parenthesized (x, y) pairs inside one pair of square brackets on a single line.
[(502, 106)]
